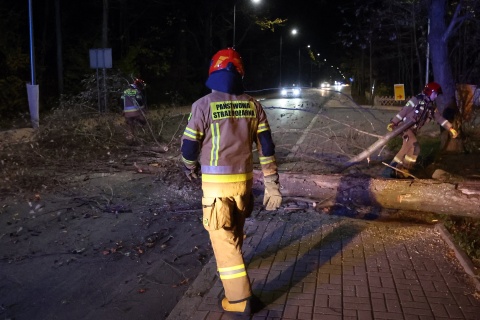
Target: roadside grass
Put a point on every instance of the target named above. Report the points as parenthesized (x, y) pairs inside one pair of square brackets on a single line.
[(78, 140), (464, 230)]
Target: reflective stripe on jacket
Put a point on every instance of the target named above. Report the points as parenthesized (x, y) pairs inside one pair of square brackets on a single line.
[(226, 126), (132, 100), (414, 109)]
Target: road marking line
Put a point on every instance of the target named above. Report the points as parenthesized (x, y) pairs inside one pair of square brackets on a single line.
[(302, 138)]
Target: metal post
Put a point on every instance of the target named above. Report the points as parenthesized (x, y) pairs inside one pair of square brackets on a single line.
[(280, 83), (234, 23), (105, 108), (428, 53), (33, 90), (98, 92), (32, 50), (235, 19), (299, 68), (311, 71)]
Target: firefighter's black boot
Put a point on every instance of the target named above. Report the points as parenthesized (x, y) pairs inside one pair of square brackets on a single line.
[(246, 307)]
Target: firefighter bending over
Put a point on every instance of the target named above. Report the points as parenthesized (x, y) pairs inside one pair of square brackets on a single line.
[(420, 109), (134, 106), (221, 130)]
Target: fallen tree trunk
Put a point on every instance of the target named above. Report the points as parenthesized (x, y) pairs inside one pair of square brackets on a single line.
[(459, 199)]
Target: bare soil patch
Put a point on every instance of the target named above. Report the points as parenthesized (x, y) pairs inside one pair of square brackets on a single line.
[(111, 245)]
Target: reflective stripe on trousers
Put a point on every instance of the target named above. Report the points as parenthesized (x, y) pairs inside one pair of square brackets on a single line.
[(224, 219), (230, 264), (410, 150)]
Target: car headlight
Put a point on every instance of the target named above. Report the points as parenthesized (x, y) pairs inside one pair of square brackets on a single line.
[(296, 92), (284, 92)]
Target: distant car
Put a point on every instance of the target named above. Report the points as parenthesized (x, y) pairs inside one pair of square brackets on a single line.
[(325, 84), (291, 92)]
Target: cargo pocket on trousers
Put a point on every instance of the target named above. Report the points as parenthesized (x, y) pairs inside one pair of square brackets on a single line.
[(217, 213)]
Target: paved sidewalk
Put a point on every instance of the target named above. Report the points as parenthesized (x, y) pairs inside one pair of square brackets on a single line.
[(310, 265)]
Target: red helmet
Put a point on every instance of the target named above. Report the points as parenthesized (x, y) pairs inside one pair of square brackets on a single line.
[(432, 87), (224, 59), (139, 84)]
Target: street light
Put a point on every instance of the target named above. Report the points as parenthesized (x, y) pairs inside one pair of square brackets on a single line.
[(293, 33), (300, 65), (311, 58), (235, 18)]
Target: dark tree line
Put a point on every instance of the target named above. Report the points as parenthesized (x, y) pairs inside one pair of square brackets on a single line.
[(169, 43), (387, 42), (166, 42), (415, 42)]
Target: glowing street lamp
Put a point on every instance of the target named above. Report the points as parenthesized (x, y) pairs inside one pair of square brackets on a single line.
[(235, 18), (293, 33)]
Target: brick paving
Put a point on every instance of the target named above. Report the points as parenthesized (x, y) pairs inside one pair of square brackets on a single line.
[(310, 265)]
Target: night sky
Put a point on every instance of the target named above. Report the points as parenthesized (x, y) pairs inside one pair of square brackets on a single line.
[(317, 21)]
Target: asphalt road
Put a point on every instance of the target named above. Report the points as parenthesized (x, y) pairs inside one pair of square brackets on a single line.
[(324, 128)]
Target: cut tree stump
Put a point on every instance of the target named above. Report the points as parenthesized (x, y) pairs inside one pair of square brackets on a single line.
[(423, 195)]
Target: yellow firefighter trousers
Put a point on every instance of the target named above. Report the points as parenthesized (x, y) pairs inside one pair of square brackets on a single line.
[(225, 208), (408, 154)]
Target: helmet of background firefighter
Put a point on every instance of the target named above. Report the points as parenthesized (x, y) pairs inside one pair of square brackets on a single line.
[(138, 84), (227, 59), (432, 87)]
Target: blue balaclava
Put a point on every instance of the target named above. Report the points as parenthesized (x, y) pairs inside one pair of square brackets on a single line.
[(226, 80)]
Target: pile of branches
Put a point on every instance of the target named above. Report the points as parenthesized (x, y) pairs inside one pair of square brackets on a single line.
[(75, 140)]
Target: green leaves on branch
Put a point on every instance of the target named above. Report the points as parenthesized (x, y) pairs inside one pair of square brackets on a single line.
[(266, 24)]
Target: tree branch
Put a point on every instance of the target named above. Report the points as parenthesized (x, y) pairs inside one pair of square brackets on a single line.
[(455, 23)]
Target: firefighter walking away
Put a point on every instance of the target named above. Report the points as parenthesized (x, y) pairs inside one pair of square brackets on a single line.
[(218, 141)]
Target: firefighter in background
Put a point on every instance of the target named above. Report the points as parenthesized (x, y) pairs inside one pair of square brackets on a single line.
[(221, 130), (134, 106), (420, 109)]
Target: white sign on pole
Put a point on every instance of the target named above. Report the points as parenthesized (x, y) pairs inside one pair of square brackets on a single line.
[(101, 58)]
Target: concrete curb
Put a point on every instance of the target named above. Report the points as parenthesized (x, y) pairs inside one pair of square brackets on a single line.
[(193, 297), (460, 254)]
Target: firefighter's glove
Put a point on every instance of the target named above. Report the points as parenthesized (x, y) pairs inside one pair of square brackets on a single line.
[(272, 198), (191, 171), (390, 126), (453, 133)]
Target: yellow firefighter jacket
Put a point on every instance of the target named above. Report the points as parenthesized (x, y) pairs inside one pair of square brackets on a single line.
[(132, 102), (421, 110), (220, 134)]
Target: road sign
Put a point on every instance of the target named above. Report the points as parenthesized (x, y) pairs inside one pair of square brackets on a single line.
[(399, 91), (101, 58)]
